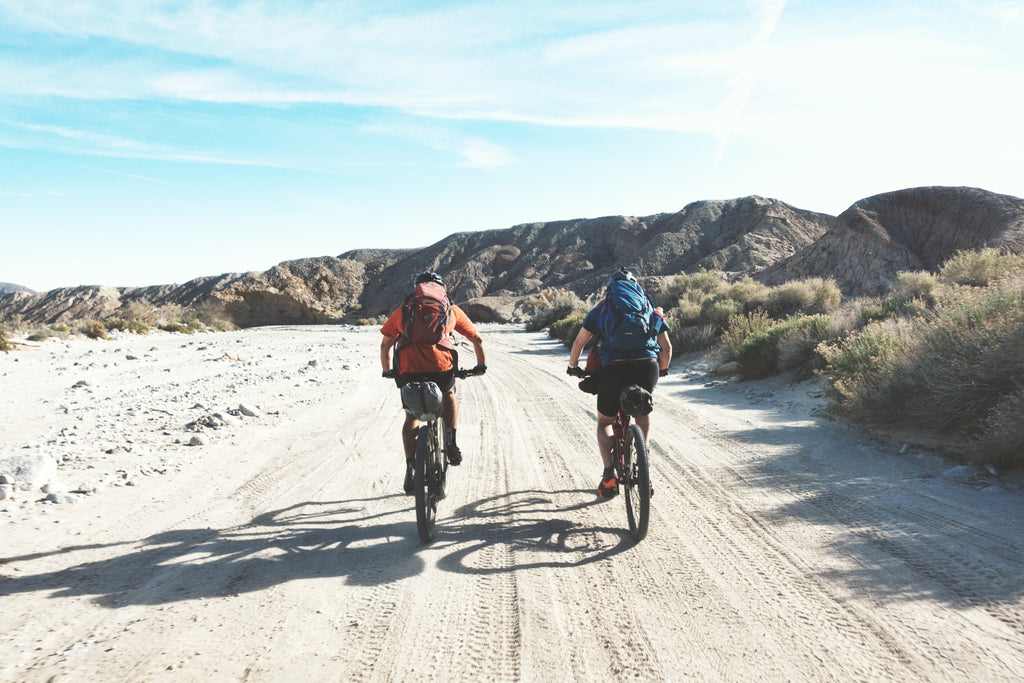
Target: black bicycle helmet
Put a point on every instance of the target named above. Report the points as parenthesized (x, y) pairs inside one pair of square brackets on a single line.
[(429, 276), (622, 274)]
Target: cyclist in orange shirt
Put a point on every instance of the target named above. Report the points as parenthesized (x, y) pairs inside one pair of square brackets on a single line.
[(435, 361)]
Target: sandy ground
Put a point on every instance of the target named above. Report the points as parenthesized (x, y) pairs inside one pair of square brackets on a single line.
[(782, 546)]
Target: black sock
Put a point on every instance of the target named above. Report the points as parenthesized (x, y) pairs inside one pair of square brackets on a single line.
[(608, 472), (449, 436)]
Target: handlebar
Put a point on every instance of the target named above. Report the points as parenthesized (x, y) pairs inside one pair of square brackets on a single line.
[(577, 371), (475, 371)]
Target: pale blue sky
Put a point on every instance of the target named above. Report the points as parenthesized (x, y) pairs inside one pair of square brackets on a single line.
[(154, 141)]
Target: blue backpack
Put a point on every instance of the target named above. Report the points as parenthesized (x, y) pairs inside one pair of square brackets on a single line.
[(626, 323)]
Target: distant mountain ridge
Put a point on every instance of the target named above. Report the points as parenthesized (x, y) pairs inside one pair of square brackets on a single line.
[(491, 272), (6, 287)]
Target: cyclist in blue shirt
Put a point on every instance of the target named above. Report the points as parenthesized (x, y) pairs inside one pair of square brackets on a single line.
[(641, 364)]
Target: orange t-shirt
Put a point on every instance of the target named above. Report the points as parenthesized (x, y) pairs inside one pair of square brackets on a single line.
[(424, 357)]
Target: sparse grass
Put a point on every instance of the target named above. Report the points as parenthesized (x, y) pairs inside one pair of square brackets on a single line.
[(121, 325), (58, 331), (177, 327)]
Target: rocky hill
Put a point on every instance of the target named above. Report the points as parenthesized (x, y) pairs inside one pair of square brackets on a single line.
[(6, 287), (490, 272), (913, 229)]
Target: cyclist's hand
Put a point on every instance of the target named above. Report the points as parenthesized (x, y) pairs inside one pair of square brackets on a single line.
[(575, 371), (388, 374), (478, 370), (663, 373)]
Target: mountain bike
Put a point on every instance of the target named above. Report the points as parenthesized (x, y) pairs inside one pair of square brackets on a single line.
[(630, 460), (430, 467)]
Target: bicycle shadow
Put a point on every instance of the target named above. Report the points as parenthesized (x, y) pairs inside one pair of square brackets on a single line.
[(306, 540), (530, 523), (310, 540)]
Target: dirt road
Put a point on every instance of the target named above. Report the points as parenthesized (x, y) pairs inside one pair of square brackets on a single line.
[(782, 547)]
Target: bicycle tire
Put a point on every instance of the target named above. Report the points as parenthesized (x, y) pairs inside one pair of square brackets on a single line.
[(424, 482), (637, 483)]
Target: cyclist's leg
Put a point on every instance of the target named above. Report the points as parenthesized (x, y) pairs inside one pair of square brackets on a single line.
[(605, 438), (410, 431)]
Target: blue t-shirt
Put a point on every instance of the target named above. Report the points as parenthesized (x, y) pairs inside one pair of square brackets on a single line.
[(592, 324)]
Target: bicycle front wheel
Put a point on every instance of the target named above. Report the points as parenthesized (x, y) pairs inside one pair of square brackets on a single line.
[(425, 482), (637, 483)]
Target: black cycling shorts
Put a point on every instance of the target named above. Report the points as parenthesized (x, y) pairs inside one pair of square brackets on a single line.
[(444, 380), (618, 375)]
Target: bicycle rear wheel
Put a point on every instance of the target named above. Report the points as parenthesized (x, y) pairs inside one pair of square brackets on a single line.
[(637, 483), (425, 481)]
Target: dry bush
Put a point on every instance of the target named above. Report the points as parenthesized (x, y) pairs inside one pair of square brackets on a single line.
[(813, 295), (755, 341), (566, 329), (692, 337), (912, 285), (4, 344), (213, 314), (550, 305), (946, 372), (94, 329), (980, 268), (1002, 435), (695, 286), (748, 292), (119, 324), (717, 312), (860, 368)]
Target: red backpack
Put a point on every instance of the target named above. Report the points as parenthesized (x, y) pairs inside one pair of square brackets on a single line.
[(425, 316)]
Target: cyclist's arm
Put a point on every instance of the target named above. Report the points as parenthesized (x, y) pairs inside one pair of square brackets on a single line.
[(386, 345), (578, 345), (478, 349), (665, 352)]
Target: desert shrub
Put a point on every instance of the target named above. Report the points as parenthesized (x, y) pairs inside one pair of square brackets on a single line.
[(196, 324), (741, 327), (748, 292), (969, 356), (94, 329), (214, 315), (566, 329), (686, 313), (797, 345), (694, 286), (692, 337), (912, 285), (948, 372), (1001, 441), (549, 306), (120, 324), (755, 340), (177, 327), (813, 295), (59, 331), (718, 311), (377, 320), (980, 268), (860, 368), (5, 345)]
